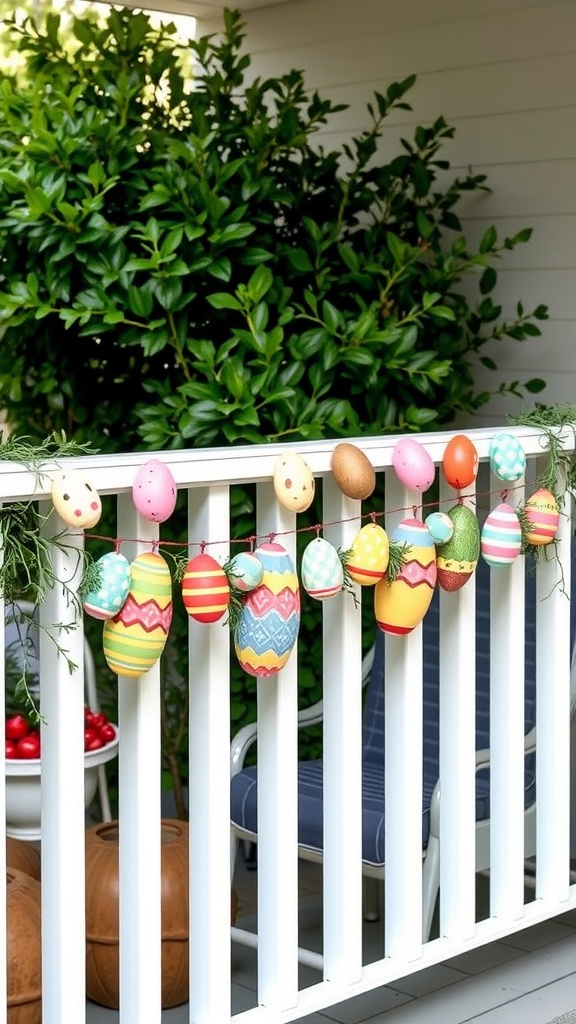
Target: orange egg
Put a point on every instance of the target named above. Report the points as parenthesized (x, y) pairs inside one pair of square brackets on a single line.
[(460, 462)]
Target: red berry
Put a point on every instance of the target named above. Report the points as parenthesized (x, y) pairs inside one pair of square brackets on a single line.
[(95, 744), (17, 726), (108, 733), (10, 749), (28, 746)]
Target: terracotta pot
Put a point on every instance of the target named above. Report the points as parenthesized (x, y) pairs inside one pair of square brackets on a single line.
[(24, 948), (23, 856), (102, 984)]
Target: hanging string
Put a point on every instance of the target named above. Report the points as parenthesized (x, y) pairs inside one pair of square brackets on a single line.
[(252, 540)]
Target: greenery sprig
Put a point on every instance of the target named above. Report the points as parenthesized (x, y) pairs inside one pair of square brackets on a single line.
[(26, 567)]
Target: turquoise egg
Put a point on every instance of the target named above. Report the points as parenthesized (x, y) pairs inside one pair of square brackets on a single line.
[(107, 599), (507, 457), (440, 527), (245, 571), (321, 568)]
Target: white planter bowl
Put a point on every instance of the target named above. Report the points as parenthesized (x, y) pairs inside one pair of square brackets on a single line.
[(23, 789)]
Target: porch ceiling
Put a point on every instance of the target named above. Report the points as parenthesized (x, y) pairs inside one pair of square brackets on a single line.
[(202, 8)]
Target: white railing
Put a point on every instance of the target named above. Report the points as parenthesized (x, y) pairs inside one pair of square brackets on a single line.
[(207, 476)]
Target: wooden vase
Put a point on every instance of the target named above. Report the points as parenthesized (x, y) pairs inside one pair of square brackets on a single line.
[(102, 886), (23, 856), (24, 948)]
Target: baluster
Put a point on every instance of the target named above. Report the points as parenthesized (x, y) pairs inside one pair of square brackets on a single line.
[(277, 802), (209, 743), (62, 781), (342, 757), (139, 816)]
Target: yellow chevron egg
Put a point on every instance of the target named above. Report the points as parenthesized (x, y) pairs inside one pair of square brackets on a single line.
[(135, 638), (399, 606), (367, 559)]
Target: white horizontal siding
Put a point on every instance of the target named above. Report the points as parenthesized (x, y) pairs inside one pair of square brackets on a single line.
[(503, 72)]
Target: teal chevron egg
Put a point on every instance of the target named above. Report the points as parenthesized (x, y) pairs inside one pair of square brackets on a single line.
[(270, 617), (321, 568)]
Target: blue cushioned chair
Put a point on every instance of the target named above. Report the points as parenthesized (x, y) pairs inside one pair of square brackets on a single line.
[(244, 785)]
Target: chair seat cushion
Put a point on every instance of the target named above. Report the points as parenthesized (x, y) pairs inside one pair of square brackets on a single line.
[(244, 796)]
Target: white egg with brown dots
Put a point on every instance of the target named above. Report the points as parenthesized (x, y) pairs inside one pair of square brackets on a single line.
[(76, 500), (294, 484)]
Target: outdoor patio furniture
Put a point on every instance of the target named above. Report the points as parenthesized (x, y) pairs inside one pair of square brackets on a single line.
[(244, 785)]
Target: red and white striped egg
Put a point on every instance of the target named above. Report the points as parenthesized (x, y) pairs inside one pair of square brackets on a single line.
[(501, 536), (205, 589)]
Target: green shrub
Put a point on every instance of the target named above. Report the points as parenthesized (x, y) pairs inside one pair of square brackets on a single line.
[(190, 267)]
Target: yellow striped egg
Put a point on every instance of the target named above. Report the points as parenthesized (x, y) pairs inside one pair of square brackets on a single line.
[(135, 638), (399, 606), (270, 617), (367, 559), (541, 512), (205, 589)]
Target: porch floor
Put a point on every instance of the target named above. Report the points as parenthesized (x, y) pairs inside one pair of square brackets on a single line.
[(530, 978)]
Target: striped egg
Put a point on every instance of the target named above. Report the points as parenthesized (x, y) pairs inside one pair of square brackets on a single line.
[(501, 536), (245, 571), (543, 517), (106, 599), (321, 568), (205, 589), (507, 457), (270, 618), (135, 638), (399, 606), (367, 559)]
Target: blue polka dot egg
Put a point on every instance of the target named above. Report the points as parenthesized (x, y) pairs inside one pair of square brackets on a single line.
[(507, 457), (107, 598)]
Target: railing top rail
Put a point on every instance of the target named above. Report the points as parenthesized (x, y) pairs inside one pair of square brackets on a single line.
[(113, 474)]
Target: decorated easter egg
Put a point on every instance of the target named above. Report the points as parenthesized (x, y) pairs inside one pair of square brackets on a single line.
[(542, 517), (352, 470), (440, 527), (245, 571), (459, 557), (501, 536), (205, 589), (412, 464), (106, 599), (154, 491), (321, 569), (367, 559), (460, 462), (507, 457), (135, 638), (270, 617), (400, 605), (293, 482), (76, 500)]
